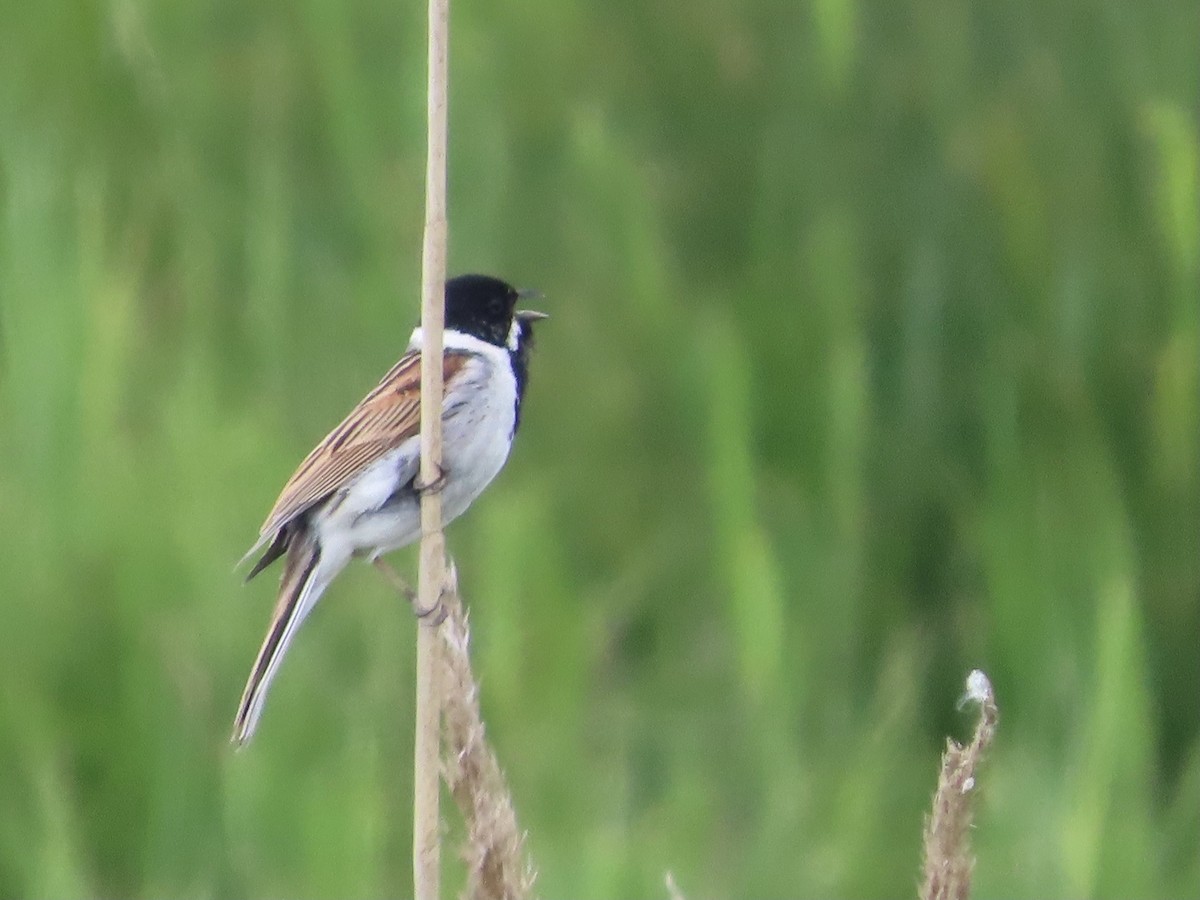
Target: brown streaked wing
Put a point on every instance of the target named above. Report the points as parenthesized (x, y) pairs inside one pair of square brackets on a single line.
[(383, 419)]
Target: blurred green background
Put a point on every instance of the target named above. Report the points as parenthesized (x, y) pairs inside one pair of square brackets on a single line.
[(874, 357)]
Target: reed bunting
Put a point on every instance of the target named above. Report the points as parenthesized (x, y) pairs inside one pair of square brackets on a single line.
[(357, 493)]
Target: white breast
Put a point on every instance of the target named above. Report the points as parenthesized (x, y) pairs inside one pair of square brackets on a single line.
[(478, 415), (477, 427)]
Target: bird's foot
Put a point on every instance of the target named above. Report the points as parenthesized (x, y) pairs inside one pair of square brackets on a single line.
[(432, 487), (434, 614)]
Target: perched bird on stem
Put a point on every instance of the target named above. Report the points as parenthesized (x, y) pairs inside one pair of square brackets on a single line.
[(358, 494)]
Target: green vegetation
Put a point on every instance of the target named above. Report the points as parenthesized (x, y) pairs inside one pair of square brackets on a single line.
[(875, 357)]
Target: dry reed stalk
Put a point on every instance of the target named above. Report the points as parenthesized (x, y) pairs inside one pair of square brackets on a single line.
[(949, 862), (494, 848), (432, 572)]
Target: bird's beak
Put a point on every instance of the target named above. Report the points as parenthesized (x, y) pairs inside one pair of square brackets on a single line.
[(529, 315)]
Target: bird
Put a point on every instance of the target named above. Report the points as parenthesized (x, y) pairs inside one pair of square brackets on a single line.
[(357, 494)]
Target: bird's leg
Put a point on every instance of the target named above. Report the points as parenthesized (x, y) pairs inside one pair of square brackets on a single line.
[(396, 580), (433, 486)]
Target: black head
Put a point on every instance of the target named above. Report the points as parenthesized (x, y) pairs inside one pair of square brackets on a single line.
[(481, 306), (486, 308)]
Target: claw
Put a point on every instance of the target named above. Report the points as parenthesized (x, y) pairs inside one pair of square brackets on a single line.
[(432, 487), (436, 614), (437, 610)]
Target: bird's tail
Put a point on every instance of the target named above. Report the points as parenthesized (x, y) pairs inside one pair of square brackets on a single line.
[(305, 577)]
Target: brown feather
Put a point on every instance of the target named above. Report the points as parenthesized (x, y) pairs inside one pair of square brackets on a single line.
[(384, 419), (302, 556), (279, 545)]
